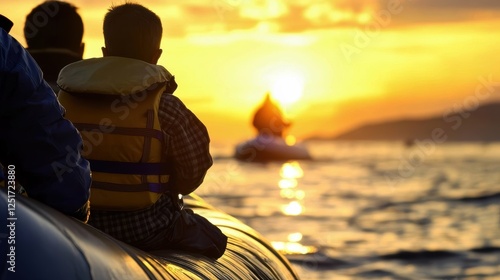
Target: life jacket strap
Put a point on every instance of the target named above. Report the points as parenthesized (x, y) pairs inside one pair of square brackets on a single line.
[(131, 168), (132, 131), (152, 187)]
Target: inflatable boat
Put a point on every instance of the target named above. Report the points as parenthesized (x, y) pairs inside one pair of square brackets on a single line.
[(270, 148), (41, 243)]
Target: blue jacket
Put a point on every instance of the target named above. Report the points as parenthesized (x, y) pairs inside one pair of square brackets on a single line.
[(43, 146)]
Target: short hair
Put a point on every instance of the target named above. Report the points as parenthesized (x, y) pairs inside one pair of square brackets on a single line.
[(54, 24), (132, 30)]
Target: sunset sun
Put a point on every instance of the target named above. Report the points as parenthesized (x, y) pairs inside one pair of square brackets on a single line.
[(287, 87)]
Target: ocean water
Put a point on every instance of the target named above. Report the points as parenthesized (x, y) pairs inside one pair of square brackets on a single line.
[(371, 210)]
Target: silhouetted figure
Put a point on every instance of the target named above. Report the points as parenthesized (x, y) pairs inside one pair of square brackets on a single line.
[(53, 31), (268, 119), (144, 146), (39, 148)]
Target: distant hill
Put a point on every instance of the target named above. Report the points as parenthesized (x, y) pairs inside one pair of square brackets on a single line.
[(481, 124)]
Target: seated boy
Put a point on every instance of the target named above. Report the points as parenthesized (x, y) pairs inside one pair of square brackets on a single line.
[(144, 146)]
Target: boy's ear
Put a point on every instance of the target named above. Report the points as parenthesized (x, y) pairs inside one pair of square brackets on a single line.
[(82, 49), (156, 56), (104, 51)]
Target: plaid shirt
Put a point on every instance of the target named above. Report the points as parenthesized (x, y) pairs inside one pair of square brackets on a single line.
[(187, 145)]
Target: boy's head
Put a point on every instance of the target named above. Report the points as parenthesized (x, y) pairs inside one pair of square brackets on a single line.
[(54, 24), (133, 31)]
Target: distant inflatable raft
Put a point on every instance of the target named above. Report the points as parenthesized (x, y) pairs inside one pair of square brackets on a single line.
[(269, 148), (42, 243)]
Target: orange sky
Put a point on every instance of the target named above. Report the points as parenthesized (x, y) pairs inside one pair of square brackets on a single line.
[(352, 61)]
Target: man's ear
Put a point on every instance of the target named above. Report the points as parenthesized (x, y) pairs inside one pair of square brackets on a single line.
[(156, 56), (104, 51)]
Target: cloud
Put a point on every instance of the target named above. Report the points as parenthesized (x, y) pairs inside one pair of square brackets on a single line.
[(182, 18), (274, 15), (300, 15), (457, 4)]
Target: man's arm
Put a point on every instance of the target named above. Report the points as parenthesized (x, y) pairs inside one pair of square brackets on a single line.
[(35, 138), (187, 144)]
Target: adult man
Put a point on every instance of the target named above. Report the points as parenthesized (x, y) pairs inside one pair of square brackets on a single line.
[(36, 142), (144, 145), (53, 31)]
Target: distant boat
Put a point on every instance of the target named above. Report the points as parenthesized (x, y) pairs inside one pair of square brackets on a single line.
[(270, 148)]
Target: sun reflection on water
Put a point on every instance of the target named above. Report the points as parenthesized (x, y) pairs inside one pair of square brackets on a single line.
[(292, 194), (287, 183), (290, 173), (293, 246), (291, 170), (290, 248), (294, 208)]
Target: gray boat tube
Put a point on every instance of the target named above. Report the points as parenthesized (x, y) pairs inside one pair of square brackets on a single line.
[(38, 242)]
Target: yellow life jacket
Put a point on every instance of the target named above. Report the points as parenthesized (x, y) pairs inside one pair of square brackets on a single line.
[(114, 103)]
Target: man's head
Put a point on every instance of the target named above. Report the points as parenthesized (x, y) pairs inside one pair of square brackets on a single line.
[(133, 31), (5, 23), (54, 24)]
